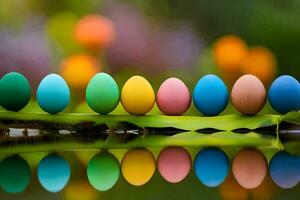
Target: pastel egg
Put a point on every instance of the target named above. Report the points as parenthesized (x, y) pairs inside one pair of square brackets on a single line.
[(53, 173), (210, 95), (284, 169), (15, 91), (15, 174), (53, 94), (211, 166), (103, 171), (174, 164), (137, 96), (249, 167), (173, 97), (102, 93), (248, 95), (138, 166), (284, 94)]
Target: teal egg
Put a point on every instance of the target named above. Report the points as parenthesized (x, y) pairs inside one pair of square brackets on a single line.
[(15, 91), (15, 174), (53, 94), (53, 173), (102, 93)]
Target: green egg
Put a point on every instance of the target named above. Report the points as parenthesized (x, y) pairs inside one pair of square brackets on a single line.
[(15, 91), (103, 171), (102, 93)]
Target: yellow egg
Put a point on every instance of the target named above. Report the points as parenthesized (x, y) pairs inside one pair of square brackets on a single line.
[(138, 166), (137, 96)]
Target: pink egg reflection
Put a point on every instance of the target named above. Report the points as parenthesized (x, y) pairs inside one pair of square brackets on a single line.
[(174, 164)]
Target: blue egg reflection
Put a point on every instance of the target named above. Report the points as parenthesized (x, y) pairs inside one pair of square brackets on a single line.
[(211, 166), (285, 169), (53, 172)]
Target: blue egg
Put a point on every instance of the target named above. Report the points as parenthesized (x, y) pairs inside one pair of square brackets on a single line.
[(211, 166), (53, 172), (53, 94), (284, 94), (210, 95), (285, 169)]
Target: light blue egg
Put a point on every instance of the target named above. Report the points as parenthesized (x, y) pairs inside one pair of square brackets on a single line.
[(211, 166), (210, 95), (53, 94), (284, 94), (53, 172), (285, 169)]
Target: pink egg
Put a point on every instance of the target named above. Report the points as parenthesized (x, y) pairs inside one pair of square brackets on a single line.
[(173, 97), (249, 167), (174, 164)]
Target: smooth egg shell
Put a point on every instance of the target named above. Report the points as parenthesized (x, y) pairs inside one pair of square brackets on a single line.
[(248, 95), (173, 97), (137, 96)]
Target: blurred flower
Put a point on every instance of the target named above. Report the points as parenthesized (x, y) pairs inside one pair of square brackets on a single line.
[(25, 52), (78, 69), (229, 52), (95, 31), (79, 190), (260, 62), (131, 45), (150, 47)]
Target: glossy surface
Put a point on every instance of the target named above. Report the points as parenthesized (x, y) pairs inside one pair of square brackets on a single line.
[(211, 166), (284, 94), (138, 166), (285, 169), (249, 167), (102, 93), (53, 172), (53, 94), (15, 174), (103, 171), (174, 164), (137, 96), (15, 91), (210, 95), (248, 95), (173, 97)]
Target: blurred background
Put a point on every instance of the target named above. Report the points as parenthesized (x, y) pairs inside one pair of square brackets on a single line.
[(156, 39)]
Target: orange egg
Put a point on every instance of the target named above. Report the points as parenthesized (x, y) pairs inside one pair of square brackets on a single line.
[(260, 62), (95, 31), (229, 52), (78, 69)]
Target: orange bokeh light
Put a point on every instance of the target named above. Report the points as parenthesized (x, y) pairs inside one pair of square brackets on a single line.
[(78, 69), (95, 31)]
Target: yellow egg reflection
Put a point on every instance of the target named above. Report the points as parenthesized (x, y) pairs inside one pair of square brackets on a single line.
[(137, 96)]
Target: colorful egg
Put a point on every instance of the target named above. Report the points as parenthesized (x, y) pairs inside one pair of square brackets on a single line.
[(103, 171), (15, 91), (102, 93), (284, 94), (210, 95), (174, 164), (53, 173), (211, 166), (248, 95), (173, 97), (138, 166), (137, 96), (249, 167), (53, 94), (284, 169), (15, 174)]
